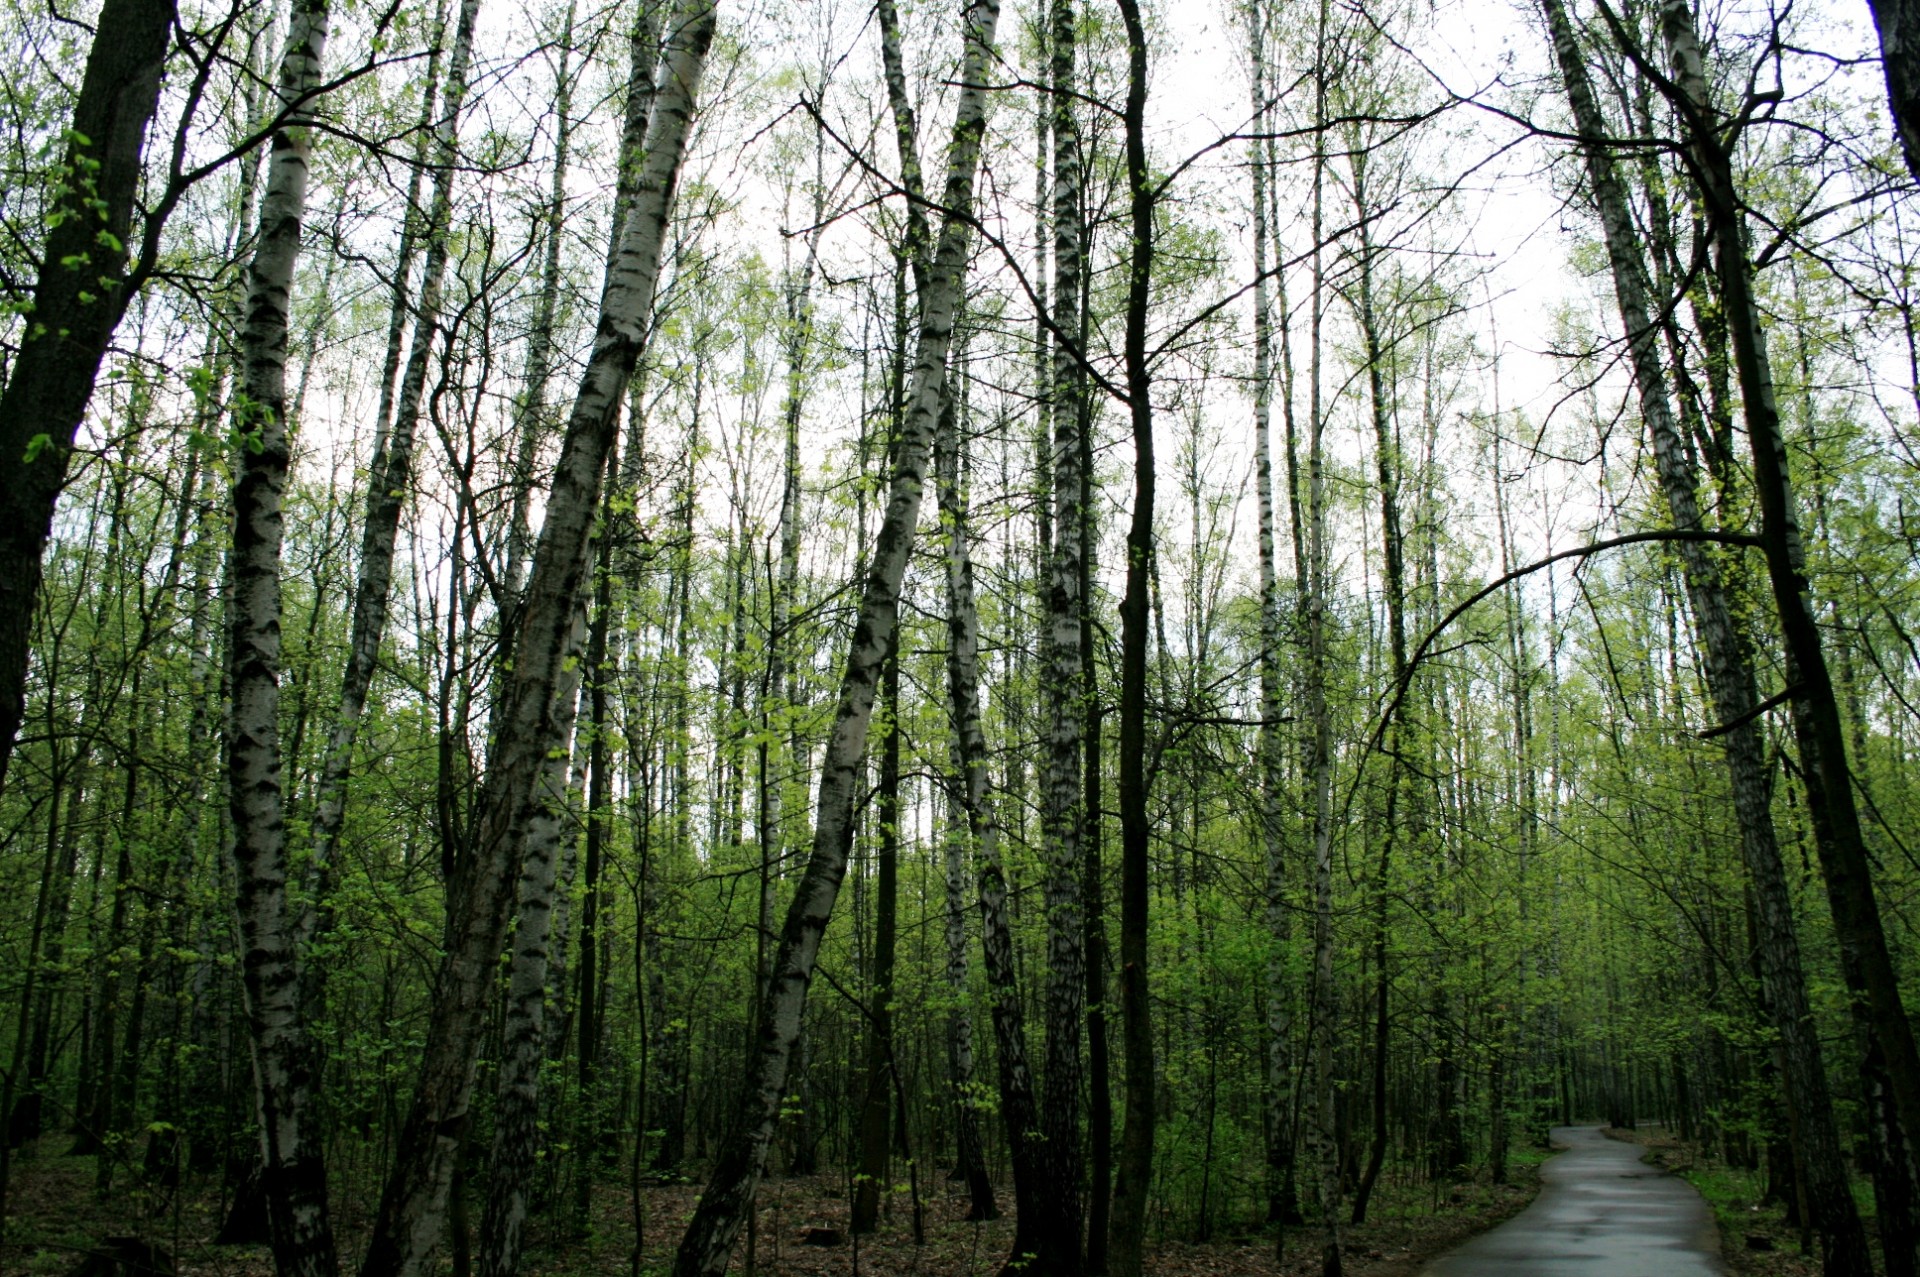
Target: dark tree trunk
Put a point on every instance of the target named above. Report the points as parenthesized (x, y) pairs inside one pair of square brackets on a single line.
[(1731, 681), (876, 1113), (590, 990), (1135, 1172), (82, 290), (1819, 730), (1898, 22)]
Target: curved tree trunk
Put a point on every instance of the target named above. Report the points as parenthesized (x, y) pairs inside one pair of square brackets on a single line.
[(709, 1239), (1730, 679), (480, 896)]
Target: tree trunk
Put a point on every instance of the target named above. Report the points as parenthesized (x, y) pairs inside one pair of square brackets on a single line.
[(1818, 727), (1135, 1171), (20, 1105), (1448, 1146), (1016, 1083), (970, 1160), (876, 1113), (1092, 877), (294, 1173), (1017, 1109), (1730, 679), (1898, 24), (1322, 1010), (708, 1242), (523, 1047), (591, 988), (1278, 1119), (82, 291), (480, 896), (530, 414), (1060, 814)]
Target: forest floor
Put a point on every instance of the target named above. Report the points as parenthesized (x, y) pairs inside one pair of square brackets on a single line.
[(1755, 1240), (55, 1218)]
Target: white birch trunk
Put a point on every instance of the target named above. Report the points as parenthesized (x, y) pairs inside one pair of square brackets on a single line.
[(516, 1136), (709, 1239), (1730, 679), (1060, 814), (413, 1204), (1323, 1007), (294, 1173), (1271, 747), (982, 833), (530, 416)]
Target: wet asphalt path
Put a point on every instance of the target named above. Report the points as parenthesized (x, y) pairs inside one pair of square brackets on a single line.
[(1602, 1212)]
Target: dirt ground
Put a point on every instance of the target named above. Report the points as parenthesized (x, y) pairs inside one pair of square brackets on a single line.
[(55, 1218)]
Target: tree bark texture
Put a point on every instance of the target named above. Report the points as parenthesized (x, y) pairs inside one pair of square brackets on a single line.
[(1730, 679), (1898, 24), (523, 1049), (708, 1242), (480, 896), (1061, 821), (79, 296), (292, 1156)]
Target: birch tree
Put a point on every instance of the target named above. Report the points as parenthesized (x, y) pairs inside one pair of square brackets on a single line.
[(293, 1175), (1061, 816), (1317, 743), (963, 628), (413, 1203), (1272, 745), (708, 1242), (1730, 678)]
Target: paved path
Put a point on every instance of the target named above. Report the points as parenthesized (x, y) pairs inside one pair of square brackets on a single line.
[(1602, 1212)]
